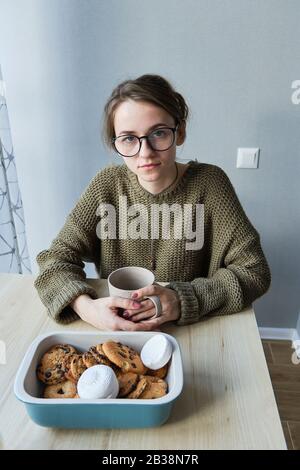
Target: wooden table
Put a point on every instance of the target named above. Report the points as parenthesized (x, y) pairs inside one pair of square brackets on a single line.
[(227, 400)]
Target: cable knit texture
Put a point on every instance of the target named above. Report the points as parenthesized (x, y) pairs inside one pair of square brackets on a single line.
[(222, 277)]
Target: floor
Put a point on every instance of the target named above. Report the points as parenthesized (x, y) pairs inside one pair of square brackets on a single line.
[(285, 377)]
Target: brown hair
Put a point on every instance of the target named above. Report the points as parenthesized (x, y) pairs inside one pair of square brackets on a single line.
[(152, 88)]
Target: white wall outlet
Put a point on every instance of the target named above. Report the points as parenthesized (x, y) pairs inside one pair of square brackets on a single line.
[(247, 158)]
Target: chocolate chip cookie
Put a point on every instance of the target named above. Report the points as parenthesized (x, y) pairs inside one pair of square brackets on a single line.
[(65, 389), (141, 387), (89, 360), (99, 355), (127, 383), (160, 373), (156, 388), (124, 357), (77, 366), (51, 369)]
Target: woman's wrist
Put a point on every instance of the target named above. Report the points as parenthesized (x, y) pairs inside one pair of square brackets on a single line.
[(82, 305)]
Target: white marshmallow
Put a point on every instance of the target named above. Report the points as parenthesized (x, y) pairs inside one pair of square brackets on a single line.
[(156, 352), (98, 382)]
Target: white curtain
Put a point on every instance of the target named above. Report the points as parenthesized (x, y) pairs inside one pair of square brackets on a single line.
[(13, 248)]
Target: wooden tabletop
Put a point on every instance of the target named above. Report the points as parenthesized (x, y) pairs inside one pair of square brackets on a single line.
[(227, 400)]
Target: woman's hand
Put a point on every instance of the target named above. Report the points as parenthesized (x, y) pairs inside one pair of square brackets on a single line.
[(169, 301), (103, 313)]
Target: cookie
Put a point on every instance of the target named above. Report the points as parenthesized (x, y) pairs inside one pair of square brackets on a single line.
[(141, 387), (51, 369), (124, 357), (69, 376), (67, 360), (127, 383), (156, 388), (160, 373), (89, 360), (67, 367), (65, 389), (77, 366), (99, 356)]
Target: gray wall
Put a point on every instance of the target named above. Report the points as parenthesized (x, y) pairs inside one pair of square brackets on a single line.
[(233, 60)]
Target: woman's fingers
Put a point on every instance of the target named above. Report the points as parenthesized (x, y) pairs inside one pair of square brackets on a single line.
[(153, 289), (123, 325), (145, 305), (144, 315), (120, 302), (104, 316), (120, 323), (127, 325), (150, 325)]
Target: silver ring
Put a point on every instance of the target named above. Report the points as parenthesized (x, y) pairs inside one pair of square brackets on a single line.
[(157, 304)]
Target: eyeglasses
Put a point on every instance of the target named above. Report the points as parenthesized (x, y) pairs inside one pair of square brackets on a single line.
[(160, 139)]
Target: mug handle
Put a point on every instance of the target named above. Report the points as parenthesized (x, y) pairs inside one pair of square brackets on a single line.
[(157, 304)]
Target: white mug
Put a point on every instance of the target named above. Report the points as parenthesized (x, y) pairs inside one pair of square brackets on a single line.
[(123, 282)]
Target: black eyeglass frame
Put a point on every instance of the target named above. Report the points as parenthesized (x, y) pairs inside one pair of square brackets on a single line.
[(173, 129)]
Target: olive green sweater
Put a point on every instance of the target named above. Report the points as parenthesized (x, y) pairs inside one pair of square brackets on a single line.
[(222, 277)]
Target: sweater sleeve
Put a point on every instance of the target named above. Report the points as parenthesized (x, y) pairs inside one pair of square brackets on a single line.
[(238, 270), (61, 277)]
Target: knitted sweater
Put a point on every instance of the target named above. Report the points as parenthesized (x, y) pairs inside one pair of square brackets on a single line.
[(223, 276)]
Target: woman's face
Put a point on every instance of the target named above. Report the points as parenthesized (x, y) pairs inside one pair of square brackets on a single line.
[(140, 118)]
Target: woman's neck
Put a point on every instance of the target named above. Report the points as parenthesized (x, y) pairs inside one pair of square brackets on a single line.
[(156, 187)]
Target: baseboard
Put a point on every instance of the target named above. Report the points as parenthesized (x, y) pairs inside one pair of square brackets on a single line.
[(283, 334), (279, 333)]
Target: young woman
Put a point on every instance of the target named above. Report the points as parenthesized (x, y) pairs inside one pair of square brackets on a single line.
[(221, 272)]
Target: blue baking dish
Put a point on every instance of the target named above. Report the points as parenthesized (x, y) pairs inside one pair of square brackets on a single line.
[(103, 413)]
